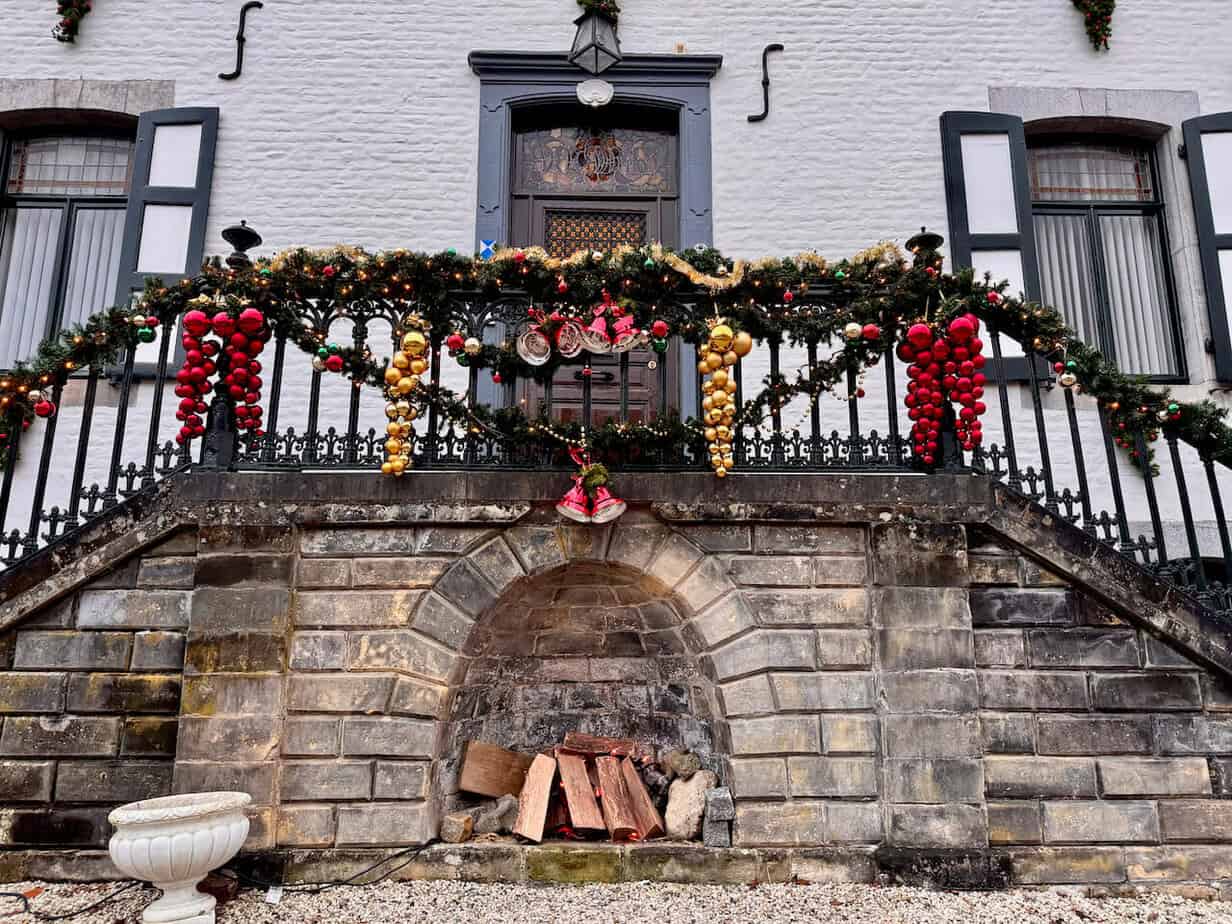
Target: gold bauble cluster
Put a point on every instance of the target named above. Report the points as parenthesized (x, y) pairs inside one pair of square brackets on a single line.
[(723, 350), (402, 378)]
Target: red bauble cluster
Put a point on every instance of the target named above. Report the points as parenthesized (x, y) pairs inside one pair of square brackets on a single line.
[(944, 368), (239, 340)]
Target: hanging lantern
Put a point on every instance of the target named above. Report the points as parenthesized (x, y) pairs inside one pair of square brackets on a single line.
[(595, 46)]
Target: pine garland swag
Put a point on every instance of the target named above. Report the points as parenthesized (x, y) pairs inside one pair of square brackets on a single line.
[(71, 13), (876, 289), (1097, 14)]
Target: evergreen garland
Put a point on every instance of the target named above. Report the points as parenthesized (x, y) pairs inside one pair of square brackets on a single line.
[(766, 298), (71, 13), (1097, 14)]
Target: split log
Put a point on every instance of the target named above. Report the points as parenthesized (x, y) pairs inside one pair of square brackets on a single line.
[(533, 801), (617, 812), (649, 821), (593, 746), (579, 794), (488, 770)]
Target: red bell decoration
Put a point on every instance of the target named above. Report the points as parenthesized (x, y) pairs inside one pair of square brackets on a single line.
[(575, 505), (607, 506)]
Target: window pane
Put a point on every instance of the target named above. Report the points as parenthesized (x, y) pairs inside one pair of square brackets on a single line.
[(584, 160), (989, 175), (67, 166), (94, 264), (27, 275), (1090, 173), (1067, 271), (1137, 295), (567, 232)]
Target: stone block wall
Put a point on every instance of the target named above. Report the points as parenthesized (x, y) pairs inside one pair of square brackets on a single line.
[(1101, 744), (892, 686), (89, 700)]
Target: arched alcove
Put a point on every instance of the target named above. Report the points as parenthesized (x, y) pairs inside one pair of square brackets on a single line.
[(589, 647)]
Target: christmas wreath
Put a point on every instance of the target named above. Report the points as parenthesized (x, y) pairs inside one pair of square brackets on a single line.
[(1097, 14), (608, 8), (71, 13)]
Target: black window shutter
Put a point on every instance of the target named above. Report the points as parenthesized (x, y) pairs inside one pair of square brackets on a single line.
[(168, 202), (1000, 241), (1207, 174)]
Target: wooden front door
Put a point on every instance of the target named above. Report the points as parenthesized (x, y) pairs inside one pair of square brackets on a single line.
[(595, 182)]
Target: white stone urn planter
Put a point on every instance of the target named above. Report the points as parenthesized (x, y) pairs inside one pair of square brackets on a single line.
[(173, 842)]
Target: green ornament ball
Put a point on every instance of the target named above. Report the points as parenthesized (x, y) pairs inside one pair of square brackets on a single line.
[(322, 352), (839, 274), (452, 251), (463, 359), (659, 344), (1173, 408), (1071, 365), (650, 263), (267, 272), (333, 348), (146, 335)]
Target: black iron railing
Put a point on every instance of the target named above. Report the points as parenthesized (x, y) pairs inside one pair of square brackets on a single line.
[(1057, 449)]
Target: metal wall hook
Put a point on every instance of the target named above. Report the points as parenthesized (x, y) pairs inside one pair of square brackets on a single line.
[(765, 82), (240, 40)]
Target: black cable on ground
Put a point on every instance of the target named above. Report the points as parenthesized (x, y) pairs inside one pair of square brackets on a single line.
[(307, 888), (315, 888), (42, 916)]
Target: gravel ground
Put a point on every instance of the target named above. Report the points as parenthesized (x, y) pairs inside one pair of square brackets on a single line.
[(660, 903)]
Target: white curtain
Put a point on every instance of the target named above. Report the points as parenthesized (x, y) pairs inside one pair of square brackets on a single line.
[(1090, 173), (1142, 335), (27, 274), (1067, 271), (94, 264), (1141, 328)]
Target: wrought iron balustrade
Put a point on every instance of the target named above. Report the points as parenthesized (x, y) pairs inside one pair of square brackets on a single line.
[(117, 428)]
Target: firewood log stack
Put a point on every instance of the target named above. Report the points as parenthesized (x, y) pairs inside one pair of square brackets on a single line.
[(586, 788)]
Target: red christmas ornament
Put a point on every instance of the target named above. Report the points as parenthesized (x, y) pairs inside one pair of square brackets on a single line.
[(224, 324), (920, 335), (562, 287), (251, 320), (994, 298), (961, 330), (659, 329), (788, 297), (455, 341), (496, 376), (197, 323), (332, 363), (871, 331), (328, 271), (519, 257), (44, 408)]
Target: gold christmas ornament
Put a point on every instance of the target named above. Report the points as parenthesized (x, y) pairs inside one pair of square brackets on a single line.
[(415, 343), (742, 343), (472, 346), (721, 337), (853, 331)]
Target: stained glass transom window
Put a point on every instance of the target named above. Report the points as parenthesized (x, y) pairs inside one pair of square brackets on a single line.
[(70, 166), (573, 160), (567, 232)]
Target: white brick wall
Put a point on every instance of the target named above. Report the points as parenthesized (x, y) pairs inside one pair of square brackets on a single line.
[(356, 122)]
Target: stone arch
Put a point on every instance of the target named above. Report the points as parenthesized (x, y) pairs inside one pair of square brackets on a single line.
[(571, 619)]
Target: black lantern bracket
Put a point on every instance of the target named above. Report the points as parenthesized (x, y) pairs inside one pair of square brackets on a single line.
[(240, 39), (765, 81)]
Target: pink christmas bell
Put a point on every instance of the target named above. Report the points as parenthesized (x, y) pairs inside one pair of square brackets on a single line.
[(624, 334), (596, 337), (575, 504), (607, 506)]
